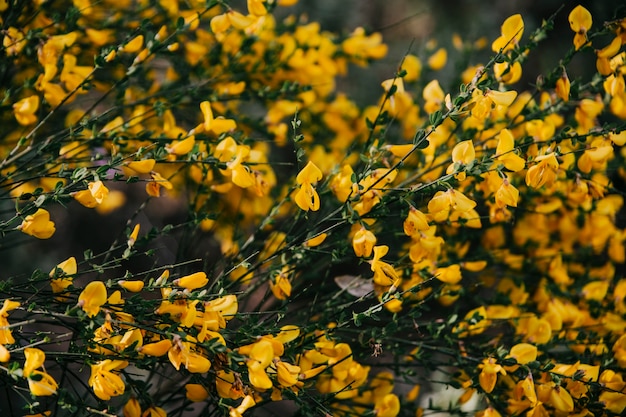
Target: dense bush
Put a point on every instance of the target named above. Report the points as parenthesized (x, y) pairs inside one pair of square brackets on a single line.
[(233, 235)]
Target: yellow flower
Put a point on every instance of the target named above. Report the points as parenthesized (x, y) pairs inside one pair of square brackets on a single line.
[(196, 392), (507, 195), (134, 45), (132, 238), (281, 287), (25, 110), (449, 274), (93, 196), (159, 348), (5, 355), (154, 412), (384, 273), (363, 242), (93, 297), (316, 240), (40, 383), (132, 286), (38, 225), (413, 67), (182, 147), (246, 403), (212, 124), (153, 188), (508, 73), (511, 32), (387, 406), (6, 337), (415, 222), (580, 21), (287, 374), (144, 166), (226, 387), (505, 153), (489, 374), (523, 353), (256, 7), (132, 408), (104, 381), (544, 172), (67, 268), (193, 281), (306, 197), (438, 60), (563, 87)]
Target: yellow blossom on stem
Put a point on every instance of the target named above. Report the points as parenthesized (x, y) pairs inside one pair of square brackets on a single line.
[(384, 273), (489, 374), (94, 195), (145, 166), (25, 109), (563, 87), (40, 383), (38, 225), (159, 348), (507, 194), (196, 392), (511, 32), (92, 298), (193, 281), (6, 338), (580, 21), (387, 406), (449, 274), (281, 286), (287, 374), (306, 197), (67, 268), (544, 172), (415, 222), (363, 242), (505, 152), (153, 188), (523, 353), (315, 240)]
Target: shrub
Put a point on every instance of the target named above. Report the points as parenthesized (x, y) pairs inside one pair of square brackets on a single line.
[(249, 237)]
